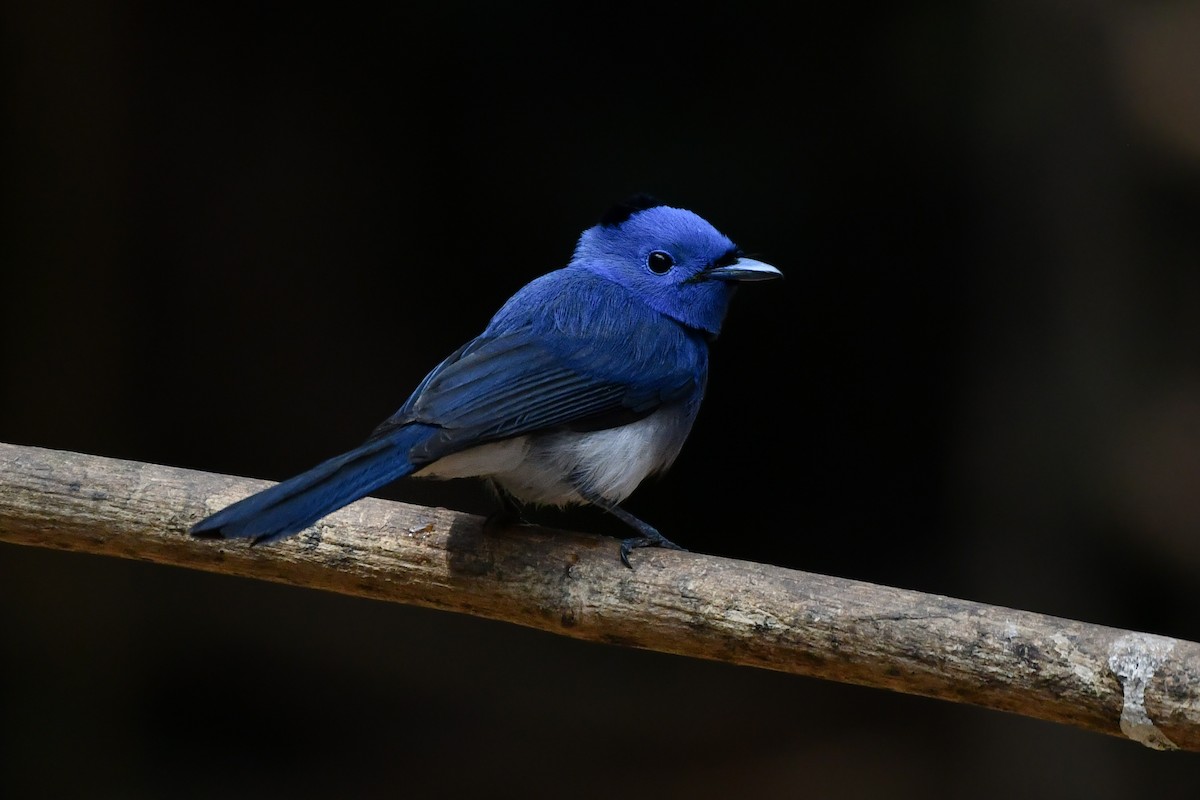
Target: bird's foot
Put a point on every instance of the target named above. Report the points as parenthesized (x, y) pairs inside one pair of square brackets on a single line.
[(504, 518), (649, 535), (508, 515), (652, 539)]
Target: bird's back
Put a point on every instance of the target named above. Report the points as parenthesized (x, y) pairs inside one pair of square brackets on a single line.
[(599, 392)]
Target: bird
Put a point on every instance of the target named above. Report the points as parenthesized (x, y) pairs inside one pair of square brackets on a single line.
[(586, 382)]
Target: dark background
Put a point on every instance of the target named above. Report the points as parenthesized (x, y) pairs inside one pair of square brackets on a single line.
[(236, 236)]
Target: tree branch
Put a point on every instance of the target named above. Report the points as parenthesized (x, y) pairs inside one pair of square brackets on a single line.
[(1097, 678)]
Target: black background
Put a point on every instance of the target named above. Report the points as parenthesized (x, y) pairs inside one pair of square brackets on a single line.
[(236, 236)]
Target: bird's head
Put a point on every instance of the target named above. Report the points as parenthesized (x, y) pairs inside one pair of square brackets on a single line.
[(671, 259)]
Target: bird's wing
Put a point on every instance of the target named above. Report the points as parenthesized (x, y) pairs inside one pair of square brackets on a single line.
[(519, 381)]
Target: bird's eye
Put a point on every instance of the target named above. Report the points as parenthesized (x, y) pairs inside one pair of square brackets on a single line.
[(659, 262)]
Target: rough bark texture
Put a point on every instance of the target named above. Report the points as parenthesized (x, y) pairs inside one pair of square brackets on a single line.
[(1102, 679)]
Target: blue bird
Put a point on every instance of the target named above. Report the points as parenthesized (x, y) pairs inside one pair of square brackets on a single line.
[(586, 382)]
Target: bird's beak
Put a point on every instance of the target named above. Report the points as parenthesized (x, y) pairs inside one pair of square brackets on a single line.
[(744, 269)]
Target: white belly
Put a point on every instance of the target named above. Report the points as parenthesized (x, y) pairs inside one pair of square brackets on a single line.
[(546, 469)]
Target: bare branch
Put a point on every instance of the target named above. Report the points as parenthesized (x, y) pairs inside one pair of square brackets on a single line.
[(1097, 678)]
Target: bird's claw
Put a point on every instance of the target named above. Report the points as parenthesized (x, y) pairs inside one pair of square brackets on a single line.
[(634, 542), (505, 518)]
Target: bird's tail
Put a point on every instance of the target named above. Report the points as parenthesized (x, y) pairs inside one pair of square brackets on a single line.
[(298, 502)]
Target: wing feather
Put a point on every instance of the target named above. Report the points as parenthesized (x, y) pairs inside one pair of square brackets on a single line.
[(560, 365)]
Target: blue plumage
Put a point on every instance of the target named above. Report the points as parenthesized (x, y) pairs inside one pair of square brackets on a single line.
[(583, 384)]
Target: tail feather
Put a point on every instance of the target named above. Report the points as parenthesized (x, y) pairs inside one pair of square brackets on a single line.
[(291, 506)]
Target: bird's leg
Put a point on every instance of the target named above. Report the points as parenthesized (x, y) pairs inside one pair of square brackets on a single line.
[(648, 534), (509, 512)]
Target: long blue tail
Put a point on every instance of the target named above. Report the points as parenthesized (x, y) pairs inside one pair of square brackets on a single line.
[(298, 502)]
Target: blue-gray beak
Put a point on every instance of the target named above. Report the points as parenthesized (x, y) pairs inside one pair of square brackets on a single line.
[(744, 269)]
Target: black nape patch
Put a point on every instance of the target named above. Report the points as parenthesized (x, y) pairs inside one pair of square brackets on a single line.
[(628, 207)]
